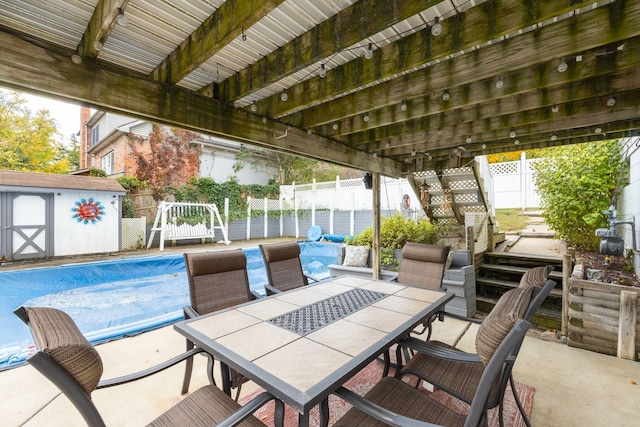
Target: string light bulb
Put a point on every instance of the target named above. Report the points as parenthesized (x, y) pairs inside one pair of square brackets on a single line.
[(323, 72), (98, 44), (512, 134), (468, 140), (446, 96), (499, 83), (403, 106), (334, 126), (368, 53), (554, 137), (76, 59), (121, 18), (611, 101), (436, 29), (563, 66), (517, 141), (365, 117), (555, 108), (254, 107), (598, 131), (283, 95), (413, 152)]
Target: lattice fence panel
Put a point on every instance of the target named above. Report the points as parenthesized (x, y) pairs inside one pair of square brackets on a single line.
[(504, 168), (133, 233), (478, 220)]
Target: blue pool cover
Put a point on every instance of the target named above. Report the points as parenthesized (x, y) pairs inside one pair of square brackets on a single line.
[(120, 297)]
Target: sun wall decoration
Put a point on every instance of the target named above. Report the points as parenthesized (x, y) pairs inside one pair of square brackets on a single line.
[(88, 211)]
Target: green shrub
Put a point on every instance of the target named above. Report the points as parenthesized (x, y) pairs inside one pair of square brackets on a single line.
[(576, 183), (129, 182), (97, 172), (397, 230)]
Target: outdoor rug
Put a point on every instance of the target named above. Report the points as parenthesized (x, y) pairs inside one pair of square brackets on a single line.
[(370, 375)]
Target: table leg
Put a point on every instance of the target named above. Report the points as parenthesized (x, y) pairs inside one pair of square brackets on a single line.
[(324, 413), (303, 420), (278, 414), (226, 382)]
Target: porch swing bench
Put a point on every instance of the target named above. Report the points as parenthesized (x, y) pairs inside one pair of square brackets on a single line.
[(167, 223)]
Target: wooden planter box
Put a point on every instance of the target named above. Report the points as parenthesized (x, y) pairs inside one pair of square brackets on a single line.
[(603, 317)]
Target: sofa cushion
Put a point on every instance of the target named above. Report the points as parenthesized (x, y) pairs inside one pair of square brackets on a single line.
[(502, 318), (356, 256)]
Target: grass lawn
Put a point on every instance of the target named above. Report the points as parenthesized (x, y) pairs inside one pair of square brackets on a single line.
[(511, 219)]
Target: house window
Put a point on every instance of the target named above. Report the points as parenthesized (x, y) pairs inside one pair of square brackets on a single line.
[(107, 163), (95, 135)]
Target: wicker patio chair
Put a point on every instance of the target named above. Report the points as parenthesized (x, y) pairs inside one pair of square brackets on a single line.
[(458, 373), (423, 265), (68, 360), (284, 269), (217, 280), (396, 403)]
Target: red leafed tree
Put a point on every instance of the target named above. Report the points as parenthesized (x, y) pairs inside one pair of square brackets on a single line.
[(166, 157)]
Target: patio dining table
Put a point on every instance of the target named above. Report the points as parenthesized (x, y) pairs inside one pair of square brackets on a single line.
[(303, 344)]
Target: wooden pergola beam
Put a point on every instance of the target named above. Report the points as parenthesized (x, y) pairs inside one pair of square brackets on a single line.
[(481, 24), (614, 72), (224, 25), (31, 67), (100, 26), (503, 113), (589, 30), (589, 113), (351, 25)]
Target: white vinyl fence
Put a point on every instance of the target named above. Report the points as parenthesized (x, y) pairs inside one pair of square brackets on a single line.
[(513, 184)]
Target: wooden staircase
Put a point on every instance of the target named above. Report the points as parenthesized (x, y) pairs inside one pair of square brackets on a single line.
[(447, 194), (502, 271)]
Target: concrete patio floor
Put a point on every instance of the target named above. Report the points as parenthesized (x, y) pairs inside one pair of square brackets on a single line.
[(573, 387)]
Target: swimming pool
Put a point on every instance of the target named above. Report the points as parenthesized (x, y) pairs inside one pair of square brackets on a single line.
[(120, 297)]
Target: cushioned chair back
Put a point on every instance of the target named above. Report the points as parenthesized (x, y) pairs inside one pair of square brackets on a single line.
[(508, 310), (282, 261), (510, 344), (217, 280), (65, 357), (536, 276), (423, 265)]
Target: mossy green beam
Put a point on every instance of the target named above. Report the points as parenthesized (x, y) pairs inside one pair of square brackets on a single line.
[(351, 25), (100, 26), (471, 28), (224, 25), (32, 67)]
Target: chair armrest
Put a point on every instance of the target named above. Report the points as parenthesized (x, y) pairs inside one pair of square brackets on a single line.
[(189, 312), (268, 288), (255, 295), (378, 412), (150, 371), (245, 411), (314, 278), (393, 278), (434, 350), (466, 319)]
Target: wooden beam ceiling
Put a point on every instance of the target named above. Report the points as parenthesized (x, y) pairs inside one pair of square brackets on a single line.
[(400, 88), (22, 63)]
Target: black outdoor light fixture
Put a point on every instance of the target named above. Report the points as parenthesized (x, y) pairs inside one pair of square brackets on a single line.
[(368, 181)]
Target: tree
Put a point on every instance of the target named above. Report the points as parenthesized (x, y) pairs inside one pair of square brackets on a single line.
[(165, 158), (576, 183), (29, 142)]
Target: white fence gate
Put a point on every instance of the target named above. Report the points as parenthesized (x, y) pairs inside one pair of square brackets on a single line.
[(513, 184)]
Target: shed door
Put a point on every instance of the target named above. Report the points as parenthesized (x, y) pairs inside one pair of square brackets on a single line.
[(27, 225)]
